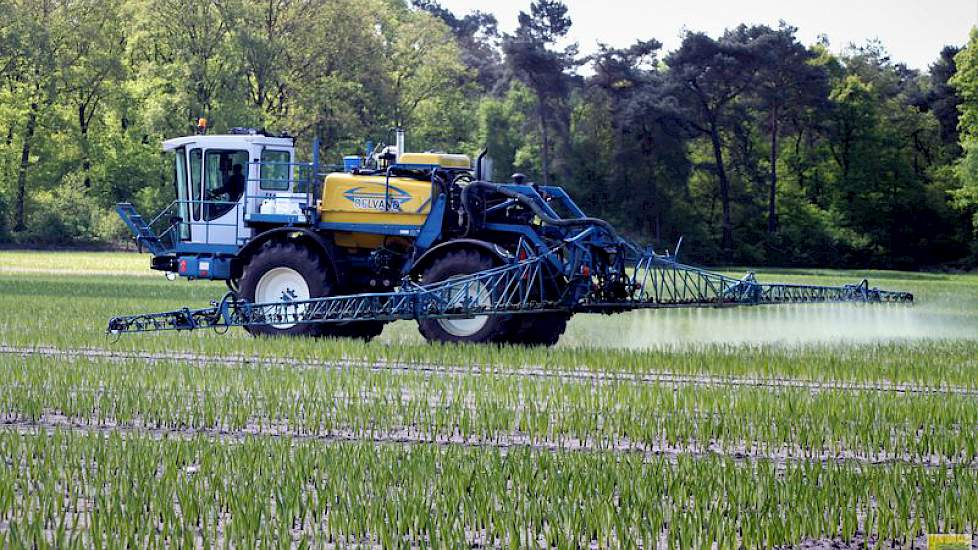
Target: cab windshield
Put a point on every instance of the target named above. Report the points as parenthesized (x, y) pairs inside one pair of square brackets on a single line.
[(180, 184)]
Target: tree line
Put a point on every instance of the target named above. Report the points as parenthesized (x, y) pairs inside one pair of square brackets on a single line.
[(752, 146)]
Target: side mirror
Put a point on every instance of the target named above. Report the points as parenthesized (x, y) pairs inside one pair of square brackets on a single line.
[(175, 220)]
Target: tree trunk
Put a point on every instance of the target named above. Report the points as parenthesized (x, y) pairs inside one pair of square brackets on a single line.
[(545, 152), (772, 203), (6, 149), (86, 156), (25, 157), (726, 239)]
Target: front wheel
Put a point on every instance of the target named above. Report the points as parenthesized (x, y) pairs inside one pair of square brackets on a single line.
[(287, 272), (284, 272)]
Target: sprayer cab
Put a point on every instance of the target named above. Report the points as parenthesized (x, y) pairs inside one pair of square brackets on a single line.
[(227, 188)]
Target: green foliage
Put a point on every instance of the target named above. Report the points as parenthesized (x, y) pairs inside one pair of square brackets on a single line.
[(965, 82), (507, 134), (966, 197), (753, 147), (66, 214)]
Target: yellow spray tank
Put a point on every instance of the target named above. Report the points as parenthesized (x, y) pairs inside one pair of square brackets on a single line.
[(366, 201)]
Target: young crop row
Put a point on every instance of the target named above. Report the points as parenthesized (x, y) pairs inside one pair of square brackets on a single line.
[(925, 365), (72, 312), (71, 355), (70, 490), (794, 422)]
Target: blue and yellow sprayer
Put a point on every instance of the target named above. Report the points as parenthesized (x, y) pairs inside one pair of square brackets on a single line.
[(397, 235)]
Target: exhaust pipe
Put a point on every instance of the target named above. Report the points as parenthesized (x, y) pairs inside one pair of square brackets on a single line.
[(399, 143)]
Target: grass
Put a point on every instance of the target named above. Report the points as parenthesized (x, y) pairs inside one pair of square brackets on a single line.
[(748, 427), (947, 308), (33, 262)]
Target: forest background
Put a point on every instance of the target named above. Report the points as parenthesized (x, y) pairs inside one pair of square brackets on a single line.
[(752, 146)]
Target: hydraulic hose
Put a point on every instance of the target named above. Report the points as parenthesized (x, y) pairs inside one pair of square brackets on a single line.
[(530, 204)]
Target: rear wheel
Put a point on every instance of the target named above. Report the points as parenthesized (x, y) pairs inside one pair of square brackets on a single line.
[(544, 328), (288, 272), (478, 329), (538, 329), (363, 330)]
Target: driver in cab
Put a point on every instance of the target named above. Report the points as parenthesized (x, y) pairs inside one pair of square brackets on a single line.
[(233, 185)]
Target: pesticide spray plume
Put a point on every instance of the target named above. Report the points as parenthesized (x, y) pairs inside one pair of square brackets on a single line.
[(775, 325)]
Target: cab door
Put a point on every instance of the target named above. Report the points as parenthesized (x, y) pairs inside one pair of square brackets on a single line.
[(219, 180)]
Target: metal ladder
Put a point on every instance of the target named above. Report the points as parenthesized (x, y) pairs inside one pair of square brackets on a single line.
[(145, 236)]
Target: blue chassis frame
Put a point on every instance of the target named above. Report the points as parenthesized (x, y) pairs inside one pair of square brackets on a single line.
[(425, 235)]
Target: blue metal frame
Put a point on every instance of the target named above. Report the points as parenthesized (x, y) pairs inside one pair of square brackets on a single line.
[(375, 228), (276, 219), (579, 243), (431, 230), (142, 231)]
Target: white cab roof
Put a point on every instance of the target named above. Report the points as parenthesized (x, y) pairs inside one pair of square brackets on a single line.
[(221, 141)]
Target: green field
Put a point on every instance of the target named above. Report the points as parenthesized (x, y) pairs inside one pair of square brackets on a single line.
[(750, 427)]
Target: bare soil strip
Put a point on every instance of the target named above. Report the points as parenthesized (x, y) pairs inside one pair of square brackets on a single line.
[(659, 377), (49, 422)]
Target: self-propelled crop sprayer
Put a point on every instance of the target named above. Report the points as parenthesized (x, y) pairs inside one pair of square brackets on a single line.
[(400, 235)]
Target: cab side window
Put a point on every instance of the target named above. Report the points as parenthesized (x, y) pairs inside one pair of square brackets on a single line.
[(275, 170)]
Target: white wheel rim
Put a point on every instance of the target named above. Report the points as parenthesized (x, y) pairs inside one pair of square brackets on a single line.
[(282, 284), (473, 292)]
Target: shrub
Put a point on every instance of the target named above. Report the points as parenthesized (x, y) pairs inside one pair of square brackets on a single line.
[(64, 215)]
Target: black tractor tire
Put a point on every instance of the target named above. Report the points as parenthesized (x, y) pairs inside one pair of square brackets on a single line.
[(318, 275), (362, 330), (284, 254), (454, 264), (537, 329)]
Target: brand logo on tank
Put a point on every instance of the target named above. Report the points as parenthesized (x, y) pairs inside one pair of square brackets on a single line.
[(377, 198)]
